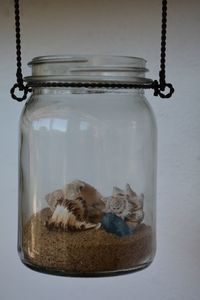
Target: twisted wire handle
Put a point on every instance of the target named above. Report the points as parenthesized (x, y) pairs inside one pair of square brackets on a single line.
[(158, 87)]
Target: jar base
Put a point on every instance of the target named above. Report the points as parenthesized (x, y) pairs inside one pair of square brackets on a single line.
[(112, 273)]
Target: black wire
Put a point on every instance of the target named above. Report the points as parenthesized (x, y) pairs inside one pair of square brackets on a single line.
[(162, 72), (18, 47)]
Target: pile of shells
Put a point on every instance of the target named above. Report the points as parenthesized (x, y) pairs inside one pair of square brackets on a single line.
[(79, 206)]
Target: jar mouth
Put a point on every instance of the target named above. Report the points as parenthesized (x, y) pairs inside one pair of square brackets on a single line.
[(92, 68)]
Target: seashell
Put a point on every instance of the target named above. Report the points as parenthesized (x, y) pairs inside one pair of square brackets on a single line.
[(72, 190), (52, 198), (117, 192), (135, 219), (125, 204), (79, 189), (70, 216), (91, 196), (134, 199), (118, 205), (114, 224)]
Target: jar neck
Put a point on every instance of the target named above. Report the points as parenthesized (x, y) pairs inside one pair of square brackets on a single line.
[(86, 69)]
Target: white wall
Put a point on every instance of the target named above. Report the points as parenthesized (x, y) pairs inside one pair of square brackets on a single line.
[(129, 27)]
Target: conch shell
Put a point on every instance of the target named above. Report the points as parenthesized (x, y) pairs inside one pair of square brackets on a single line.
[(70, 216), (126, 204), (77, 205)]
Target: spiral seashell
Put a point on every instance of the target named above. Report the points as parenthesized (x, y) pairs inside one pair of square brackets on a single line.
[(125, 204), (117, 205)]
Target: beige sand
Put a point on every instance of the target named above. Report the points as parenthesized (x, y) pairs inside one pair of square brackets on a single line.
[(85, 251)]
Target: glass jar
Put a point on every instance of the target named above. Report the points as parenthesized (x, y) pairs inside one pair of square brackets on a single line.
[(87, 171)]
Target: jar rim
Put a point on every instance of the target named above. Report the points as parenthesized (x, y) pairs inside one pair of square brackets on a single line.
[(84, 68), (83, 58)]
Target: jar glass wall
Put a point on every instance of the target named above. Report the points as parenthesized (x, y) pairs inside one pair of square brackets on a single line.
[(87, 184)]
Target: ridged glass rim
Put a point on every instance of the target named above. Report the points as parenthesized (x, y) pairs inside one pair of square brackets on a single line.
[(83, 58), (84, 68)]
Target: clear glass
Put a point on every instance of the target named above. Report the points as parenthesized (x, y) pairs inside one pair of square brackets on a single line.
[(87, 172)]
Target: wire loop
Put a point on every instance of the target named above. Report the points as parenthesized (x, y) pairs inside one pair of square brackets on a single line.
[(25, 89), (160, 92)]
